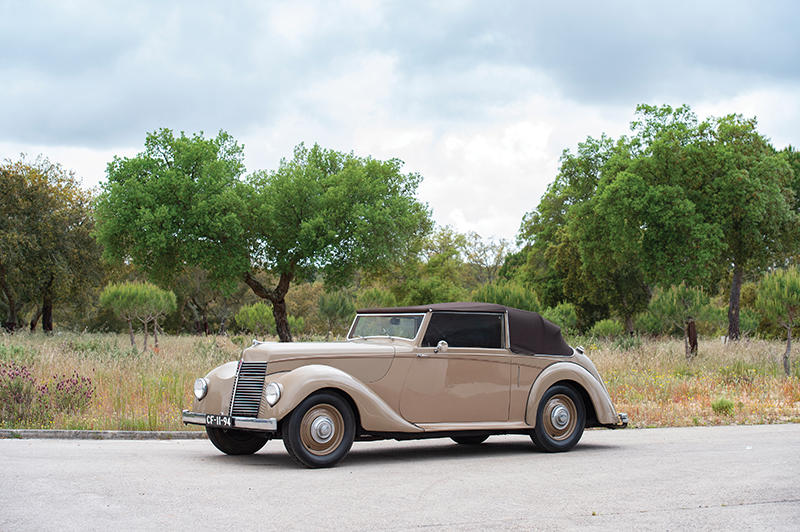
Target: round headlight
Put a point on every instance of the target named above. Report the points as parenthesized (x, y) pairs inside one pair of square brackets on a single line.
[(200, 388), (272, 393)]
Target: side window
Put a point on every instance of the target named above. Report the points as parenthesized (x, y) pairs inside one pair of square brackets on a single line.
[(460, 329)]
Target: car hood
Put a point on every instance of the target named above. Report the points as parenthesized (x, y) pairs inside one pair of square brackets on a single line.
[(278, 351)]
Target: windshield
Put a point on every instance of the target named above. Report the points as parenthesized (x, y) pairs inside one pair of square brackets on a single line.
[(400, 325)]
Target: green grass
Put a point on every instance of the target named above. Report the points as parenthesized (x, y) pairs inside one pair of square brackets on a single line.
[(649, 379)]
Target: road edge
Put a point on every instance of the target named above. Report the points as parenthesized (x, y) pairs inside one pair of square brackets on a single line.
[(58, 434)]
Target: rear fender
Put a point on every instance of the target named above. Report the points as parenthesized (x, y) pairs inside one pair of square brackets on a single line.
[(374, 413), (576, 375)]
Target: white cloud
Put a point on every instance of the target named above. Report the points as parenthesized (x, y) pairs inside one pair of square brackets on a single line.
[(481, 100)]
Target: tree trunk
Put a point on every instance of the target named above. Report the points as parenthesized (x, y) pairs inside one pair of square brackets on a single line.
[(786, 367), (277, 297), (144, 323), (686, 351), (155, 333), (691, 338), (47, 310), (130, 331), (35, 318), (629, 325), (11, 317), (733, 308), (281, 320), (200, 317), (181, 316)]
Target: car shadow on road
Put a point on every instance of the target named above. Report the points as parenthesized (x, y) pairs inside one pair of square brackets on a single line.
[(364, 454), (453, 452)]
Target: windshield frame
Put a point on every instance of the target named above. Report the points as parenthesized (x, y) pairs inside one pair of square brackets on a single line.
[(421, 327)]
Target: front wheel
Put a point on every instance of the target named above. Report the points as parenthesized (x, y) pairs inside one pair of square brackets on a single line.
[(231, 441), (320, 430), (560, 419)]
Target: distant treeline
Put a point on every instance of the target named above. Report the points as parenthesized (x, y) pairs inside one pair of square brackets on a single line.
[(680, 206)]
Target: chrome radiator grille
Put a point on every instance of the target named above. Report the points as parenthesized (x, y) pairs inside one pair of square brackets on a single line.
[(248, 389)]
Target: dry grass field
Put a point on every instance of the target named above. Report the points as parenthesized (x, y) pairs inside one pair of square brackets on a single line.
[(129, 390)]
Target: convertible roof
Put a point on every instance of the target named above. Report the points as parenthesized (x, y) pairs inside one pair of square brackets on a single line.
[(530, 333)]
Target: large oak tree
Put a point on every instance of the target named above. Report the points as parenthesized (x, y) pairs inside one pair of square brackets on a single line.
[(47, 254), (185, 202)]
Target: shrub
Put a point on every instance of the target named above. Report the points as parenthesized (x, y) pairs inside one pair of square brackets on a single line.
[(607, 328), (337, 310), (375, 298), (722, 406), (626, 342), (69, 394), (647, 323), (16, 353), (24, 400), (563, 315), (297, 324), (256, 318), (18, 394), (509, 294)]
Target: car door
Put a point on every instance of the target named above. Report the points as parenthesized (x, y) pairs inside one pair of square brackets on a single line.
[(469, 380)]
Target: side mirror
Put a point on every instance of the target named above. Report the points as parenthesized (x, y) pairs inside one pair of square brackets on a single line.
[(441, 347)]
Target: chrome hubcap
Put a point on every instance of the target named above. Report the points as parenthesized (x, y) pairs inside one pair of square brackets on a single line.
[(322, 429), (559, 417)]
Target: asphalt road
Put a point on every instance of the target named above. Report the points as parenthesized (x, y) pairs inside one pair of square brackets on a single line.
[(709, 478)]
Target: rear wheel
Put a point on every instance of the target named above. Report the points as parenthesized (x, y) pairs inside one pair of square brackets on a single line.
[(560, 419), (469, 440), (320, 430), (231, 441)]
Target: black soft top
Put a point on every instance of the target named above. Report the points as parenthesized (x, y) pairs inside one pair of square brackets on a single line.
[(530, 334)]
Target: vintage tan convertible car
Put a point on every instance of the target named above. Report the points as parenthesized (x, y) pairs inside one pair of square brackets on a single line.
[(459, 370)]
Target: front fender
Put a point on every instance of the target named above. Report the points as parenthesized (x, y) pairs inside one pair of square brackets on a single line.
[(375, 414), (568, 371), (220, 387)]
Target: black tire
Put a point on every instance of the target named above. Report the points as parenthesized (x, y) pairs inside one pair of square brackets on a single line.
[(232, 441), (469, 440), (560, 419), (320, 431)]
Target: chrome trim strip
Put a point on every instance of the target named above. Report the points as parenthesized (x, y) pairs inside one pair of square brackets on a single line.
[(254, 423), (193, 417), (251, 423)]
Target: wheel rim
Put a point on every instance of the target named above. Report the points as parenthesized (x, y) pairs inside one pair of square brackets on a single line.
[(560, 417), (322, 429)]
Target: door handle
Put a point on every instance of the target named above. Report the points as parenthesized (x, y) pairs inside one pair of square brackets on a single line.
[(422, 355)]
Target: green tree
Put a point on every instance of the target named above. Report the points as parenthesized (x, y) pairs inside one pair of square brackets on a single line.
[(484, 258), (47, 254), (144, 302), (329, 213), (182, 202), (779, 299), (552, 265), (749, 195), (256, 318), (680, 306), (337, 309), (678, 201)]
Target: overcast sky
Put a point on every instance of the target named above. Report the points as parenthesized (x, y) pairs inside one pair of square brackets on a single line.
[(478, 97)]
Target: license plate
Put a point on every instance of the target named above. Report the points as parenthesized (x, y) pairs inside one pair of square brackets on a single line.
[(219, 421)]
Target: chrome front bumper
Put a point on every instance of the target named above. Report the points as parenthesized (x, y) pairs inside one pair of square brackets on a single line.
[(246, 423)]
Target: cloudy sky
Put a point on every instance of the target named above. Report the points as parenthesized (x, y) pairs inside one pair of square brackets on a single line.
[(478, 97)]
